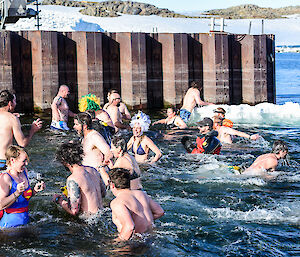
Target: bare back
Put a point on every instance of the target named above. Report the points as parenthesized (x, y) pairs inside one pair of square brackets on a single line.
[(190, 99), (262, 164), (134, 202), (94, 147), (114, 114), (90, 191), (223, 135)]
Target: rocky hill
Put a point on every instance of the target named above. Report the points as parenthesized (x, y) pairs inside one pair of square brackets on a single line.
[(117, 8), (250, 11)]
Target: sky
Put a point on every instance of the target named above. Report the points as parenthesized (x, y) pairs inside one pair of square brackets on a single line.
[(202, 5)]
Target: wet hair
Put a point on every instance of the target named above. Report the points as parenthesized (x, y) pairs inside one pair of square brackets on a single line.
[(70, 153), (84, 118), (120, 177), (92, 113), (113, 91), (278, 146), (220, 110), (118, 141), (14, 151), (194, 84), (5, 97)]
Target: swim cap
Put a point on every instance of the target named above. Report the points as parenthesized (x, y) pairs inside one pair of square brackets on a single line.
[(142, 119), (89, 102)]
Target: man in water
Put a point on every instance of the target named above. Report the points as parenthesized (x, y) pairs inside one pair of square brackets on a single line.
[(10, 126), (133, 211), (207, 142), (97, 152), (220, 112), (114, 112), (122, 108), (83, 185), (268, 162), (190, 100), (60, 109), (225, 133)]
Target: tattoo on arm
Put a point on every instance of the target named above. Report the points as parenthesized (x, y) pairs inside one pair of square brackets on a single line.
[(74, 196)]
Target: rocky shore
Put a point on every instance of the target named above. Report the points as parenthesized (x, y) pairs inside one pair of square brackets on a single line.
[(117, 8)]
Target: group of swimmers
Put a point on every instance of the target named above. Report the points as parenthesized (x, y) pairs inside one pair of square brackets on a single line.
[(89, 160)]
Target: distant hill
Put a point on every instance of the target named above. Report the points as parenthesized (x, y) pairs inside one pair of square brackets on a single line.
[(117, 8), (250, 11)]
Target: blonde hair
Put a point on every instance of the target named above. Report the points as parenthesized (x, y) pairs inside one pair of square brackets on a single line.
[(14, 151)]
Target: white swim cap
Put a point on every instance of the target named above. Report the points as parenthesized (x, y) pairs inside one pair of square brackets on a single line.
[(143, 120)]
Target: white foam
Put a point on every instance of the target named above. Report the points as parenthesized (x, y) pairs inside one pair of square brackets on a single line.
[(260, 114), (281, 214)]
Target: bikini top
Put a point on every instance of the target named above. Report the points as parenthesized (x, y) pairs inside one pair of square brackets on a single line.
[(139, 150), (171, 124), (22, 200)]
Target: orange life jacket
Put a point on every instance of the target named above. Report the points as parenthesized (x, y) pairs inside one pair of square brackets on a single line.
[(207, 145), (227, 123)]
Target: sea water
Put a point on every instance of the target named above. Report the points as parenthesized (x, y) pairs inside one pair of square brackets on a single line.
[(209, 211)]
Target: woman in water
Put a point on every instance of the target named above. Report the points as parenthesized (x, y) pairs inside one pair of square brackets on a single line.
[(15, 190), (126, 161), (172, 121), (140, 143)]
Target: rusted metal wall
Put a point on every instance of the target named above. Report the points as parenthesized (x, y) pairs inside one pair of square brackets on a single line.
[(149, 70)]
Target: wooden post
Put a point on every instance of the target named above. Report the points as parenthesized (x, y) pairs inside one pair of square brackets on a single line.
[(44, 67), (175, 67), (133, 68), (5, 61)]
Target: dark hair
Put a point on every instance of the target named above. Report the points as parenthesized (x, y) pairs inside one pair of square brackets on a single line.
[(84, 119), (70, 153), (278, 146), (92, 113), (120, 177), (5, 97), (118, 141), (113, 91)]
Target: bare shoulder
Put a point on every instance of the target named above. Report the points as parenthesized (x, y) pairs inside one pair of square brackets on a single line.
[(4, 178)]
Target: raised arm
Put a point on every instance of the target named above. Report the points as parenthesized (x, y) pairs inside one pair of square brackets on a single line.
[(153, 148), (18, 134)]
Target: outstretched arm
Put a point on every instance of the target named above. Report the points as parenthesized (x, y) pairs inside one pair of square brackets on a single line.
[(235, 132), (198, 99), (162, 121), (18, 134), (180, 123)]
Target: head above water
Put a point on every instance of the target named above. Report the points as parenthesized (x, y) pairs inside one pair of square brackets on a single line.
[(64, 91), (84, 118), (140, 120), (220, 112), (120, 177), (7, 98), (206, 122), (14, 152), (110, 92), (70, 153), (279, 146), (119, 143)]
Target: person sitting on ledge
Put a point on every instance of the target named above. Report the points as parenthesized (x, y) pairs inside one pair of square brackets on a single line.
[(225, 133), (190, 100), (173, 121), (207, 143), (133, 211)]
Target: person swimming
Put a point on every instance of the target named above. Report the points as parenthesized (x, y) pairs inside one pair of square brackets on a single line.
[(173, 121)]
